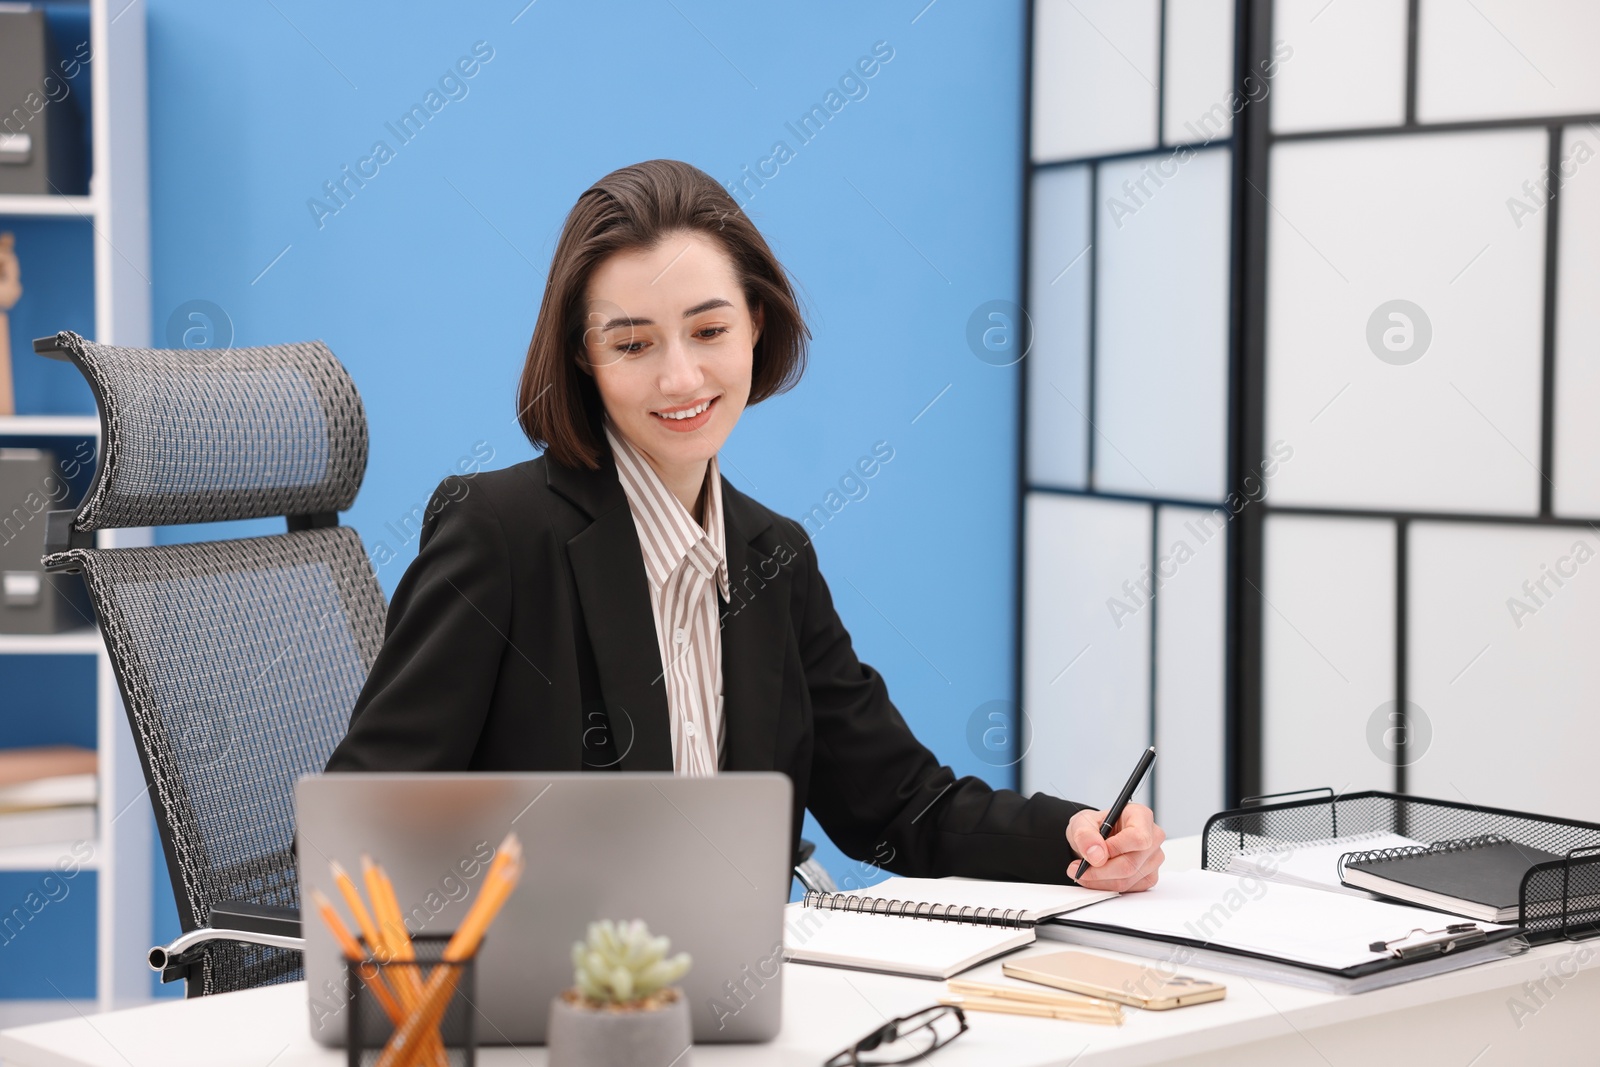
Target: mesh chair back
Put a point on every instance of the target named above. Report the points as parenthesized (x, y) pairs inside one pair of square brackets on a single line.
[(200, 435), (238, 661)]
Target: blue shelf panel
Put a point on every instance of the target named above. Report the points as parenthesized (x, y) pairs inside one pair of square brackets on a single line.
[(57, 260), (50, 700), (48, 925)]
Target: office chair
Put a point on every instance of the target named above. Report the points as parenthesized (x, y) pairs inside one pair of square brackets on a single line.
[(238, 661), (810, 871)]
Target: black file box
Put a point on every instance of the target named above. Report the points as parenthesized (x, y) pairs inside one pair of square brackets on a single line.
[(41, 124), (32, 601), (1559, 899)]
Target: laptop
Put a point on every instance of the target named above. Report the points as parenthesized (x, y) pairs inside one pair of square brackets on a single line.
[(702, 860)]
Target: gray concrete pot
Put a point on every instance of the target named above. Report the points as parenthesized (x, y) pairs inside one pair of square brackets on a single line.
[(587, 1037)]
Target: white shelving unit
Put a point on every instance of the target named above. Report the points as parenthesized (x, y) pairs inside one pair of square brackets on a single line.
[(41, 858), (84, 642), (64, 207), (48, 425), (118, 207)]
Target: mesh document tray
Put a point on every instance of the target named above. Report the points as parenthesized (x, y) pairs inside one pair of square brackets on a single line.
[(1559, 899)]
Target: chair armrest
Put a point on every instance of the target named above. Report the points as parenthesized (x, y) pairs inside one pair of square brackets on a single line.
[(233, 920), (255, 918), (812, 874)]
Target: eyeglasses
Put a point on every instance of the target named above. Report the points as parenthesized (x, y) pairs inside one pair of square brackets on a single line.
[(906, 1039)]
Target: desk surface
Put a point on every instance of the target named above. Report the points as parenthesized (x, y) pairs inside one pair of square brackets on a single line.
[(1466, 1017)]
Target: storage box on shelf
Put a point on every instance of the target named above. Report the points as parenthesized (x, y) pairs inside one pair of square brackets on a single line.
[(116, 209)]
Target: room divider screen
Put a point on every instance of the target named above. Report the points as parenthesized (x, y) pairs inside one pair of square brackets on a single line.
[(1302, 501)]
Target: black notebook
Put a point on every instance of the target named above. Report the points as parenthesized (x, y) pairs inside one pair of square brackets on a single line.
[(1479, 877)]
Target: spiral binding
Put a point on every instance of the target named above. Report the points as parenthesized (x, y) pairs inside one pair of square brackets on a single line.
[(1460, 844), (1383, 855), (913, 909)]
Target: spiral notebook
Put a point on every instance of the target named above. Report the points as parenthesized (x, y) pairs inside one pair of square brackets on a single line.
[(924, 927), (1479, 877)]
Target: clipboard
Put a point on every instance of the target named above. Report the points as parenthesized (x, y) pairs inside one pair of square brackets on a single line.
[(1290, 934)]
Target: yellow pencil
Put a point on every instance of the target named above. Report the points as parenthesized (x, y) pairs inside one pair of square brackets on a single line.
[(498, 883), (353, 901), (394, 944), (352, 950), (1004, 1006), (403, 1048), (968, 987)]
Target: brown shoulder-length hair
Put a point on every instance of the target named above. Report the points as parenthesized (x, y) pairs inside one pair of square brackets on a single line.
[(629, 209)]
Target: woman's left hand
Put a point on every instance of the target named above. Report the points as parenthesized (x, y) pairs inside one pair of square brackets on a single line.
[(1127, 861)]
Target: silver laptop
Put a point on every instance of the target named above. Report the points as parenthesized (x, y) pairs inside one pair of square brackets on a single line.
[(704, 861)]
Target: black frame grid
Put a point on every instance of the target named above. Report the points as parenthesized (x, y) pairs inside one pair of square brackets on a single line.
[(1025, 486), (1250, 711), (1251, 141)]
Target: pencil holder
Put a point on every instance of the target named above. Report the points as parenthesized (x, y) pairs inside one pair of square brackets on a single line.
[(437, 993)]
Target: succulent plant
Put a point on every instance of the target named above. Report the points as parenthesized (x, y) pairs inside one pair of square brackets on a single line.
[(622, 962)]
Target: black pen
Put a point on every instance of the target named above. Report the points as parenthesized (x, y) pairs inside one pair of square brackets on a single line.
[(1126, 795)]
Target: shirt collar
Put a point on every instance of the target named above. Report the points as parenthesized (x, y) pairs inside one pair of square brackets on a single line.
[(667, 530)]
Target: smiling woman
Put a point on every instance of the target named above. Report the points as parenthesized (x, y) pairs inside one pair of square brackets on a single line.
[(681, 263), (674, 368), (617, 603)]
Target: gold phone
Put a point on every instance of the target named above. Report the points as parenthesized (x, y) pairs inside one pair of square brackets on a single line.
[(1141, 985)]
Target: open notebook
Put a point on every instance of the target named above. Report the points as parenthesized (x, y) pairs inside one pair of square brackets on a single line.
[(924, 927)]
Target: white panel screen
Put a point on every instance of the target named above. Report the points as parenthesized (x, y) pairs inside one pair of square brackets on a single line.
[(1577, 392), (1483, 59), (1161, 325), (1199, 72), (1502, 629), (1327, 651), (1059, 263), (1339, 65), (1191, 616), (1428, 404), (1086, 645), (1095, 68)]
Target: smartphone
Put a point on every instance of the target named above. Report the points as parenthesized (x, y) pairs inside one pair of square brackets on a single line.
[(1141, 985)]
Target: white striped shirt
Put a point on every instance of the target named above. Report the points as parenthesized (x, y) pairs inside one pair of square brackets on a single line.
[(681, 558)]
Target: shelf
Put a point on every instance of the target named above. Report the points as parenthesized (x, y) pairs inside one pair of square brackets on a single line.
[(45, 857), (63, 207), (84, 642), (49, 425), (28, 1012)]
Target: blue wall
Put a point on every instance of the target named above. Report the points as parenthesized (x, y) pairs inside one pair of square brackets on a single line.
[(898, 220)]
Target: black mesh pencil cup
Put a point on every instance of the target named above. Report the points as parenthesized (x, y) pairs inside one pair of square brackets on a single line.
[(407, 986)]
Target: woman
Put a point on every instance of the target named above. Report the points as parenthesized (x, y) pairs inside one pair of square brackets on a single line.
[(616, 603)]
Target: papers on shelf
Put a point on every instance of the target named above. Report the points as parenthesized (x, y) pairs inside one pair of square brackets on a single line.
[(1312, 864)]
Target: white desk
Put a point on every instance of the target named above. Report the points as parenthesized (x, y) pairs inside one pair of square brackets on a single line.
[(1458, 1019)]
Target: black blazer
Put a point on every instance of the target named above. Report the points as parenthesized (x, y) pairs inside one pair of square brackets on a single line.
[(522, 638)]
